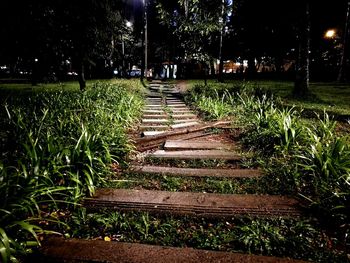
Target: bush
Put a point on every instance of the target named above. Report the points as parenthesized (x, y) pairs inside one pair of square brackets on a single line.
[(56, 148)]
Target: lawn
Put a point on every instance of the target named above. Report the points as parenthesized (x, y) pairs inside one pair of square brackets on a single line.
[(332, 97)]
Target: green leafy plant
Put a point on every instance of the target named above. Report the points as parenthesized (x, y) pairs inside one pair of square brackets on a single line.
[(57, 147)]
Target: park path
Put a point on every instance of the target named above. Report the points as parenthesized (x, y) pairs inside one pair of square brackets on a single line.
[(171, 139)]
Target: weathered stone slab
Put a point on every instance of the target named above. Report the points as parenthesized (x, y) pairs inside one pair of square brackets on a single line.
[(154, 111), (175, 145), (174, 113), (153, 127), (151, 133), (183, 116), (156, 121), (174, 102), (196, 154), (185, 121), (154, 116), (175, 109), (154, 105), (189, 203), (184, 125), (98, 251), (197, 172), (177, 105)]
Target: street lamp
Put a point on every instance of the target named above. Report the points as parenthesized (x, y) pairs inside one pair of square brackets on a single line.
[(128, 25), (331, 33), (145, 39)]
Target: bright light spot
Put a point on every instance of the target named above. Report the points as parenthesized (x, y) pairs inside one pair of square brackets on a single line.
[(36, 60), (128, 24), (330, 33)]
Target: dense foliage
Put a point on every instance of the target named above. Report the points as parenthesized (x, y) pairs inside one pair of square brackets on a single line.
[(55, 148), (308, 158)]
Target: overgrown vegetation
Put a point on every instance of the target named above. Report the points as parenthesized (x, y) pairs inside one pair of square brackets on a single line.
[(296, 238), (56, 147), (309, 159)]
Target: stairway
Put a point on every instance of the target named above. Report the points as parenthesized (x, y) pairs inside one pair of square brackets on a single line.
[(177, 143)]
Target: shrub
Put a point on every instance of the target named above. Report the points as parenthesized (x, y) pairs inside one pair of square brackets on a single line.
[(56, 147)]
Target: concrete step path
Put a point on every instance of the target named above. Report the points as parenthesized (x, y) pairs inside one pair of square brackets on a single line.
[(183, 116), (155, 121), (149, 133), (185, 120), (98, 251), (196, 154), (176, 145), (196, 204), (154, 116), (196, 172), (153, 111), (184, 125), (153, 127)]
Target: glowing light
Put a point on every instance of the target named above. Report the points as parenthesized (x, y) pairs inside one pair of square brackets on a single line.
[(331, 33), (128, 24)]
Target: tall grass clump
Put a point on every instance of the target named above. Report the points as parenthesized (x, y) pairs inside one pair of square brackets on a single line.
[(324, 170), (212, 103), (56, 147), (310, 158)]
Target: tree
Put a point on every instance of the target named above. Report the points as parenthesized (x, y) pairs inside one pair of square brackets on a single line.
[(87, 29), (345, 48), (301, 85), (44, 34), (197, 25)]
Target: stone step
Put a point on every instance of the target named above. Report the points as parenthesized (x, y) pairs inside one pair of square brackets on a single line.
[(155, 121), (154, 111), (182, 105), (183, 116), (196, 172), (154, 105), (176, 109), (180, 113), (175, 145), (98, 251), (174, 102), (189, 203), (154, 116), (151, 133), (184, 125), (153, 127), (196, 154), (185, 121)]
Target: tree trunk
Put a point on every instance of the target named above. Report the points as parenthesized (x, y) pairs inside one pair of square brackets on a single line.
[(221, 65), (81, 76), (344, 53), (251, 70), (212, 67), (302, 78), (205, 69)]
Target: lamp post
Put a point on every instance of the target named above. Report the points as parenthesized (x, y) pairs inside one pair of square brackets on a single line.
[(145, 40), (128, 25)]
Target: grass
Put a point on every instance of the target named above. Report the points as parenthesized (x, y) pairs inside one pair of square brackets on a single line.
[(305, 158), (57, 146), (300, 239), (333, 97), (193, 184)]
